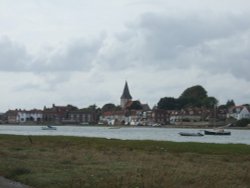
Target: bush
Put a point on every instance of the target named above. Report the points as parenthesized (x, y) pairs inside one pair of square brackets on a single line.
[(242, 122)]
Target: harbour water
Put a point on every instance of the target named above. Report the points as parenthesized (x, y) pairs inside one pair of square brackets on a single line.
[(129, 133)]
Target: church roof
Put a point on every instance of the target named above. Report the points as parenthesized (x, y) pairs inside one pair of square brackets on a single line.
[(126, 94)]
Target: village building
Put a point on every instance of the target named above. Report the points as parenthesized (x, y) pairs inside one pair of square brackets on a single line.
[(160, 116), (239, 112), (11, 116), (81, 116), (191, 114), (69, 115), (24, 116), (57, 114)]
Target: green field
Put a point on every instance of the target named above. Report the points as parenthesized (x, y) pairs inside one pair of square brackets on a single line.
[(74, 162)]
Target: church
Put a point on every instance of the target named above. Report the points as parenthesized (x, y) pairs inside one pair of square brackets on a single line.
[(131, 113), (126, 97)]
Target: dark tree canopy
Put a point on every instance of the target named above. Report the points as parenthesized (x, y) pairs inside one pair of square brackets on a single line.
[(210, 102), (168, 103), (243, 122), (108, 107), (195, 92), (195, 96), (135, 105), (230, 103)]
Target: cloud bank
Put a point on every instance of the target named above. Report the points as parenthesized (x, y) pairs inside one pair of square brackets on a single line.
[(160, 54)]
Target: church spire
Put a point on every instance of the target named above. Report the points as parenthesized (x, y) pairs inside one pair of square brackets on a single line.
[(126, 94), (126, 97)]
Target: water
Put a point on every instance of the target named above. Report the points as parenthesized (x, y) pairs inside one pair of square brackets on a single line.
[(129, 133)]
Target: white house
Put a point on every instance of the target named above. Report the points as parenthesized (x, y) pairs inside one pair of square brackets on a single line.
[(239, 112), (29, 116)]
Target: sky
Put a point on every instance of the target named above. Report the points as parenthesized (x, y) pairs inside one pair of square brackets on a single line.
[(81, 52)]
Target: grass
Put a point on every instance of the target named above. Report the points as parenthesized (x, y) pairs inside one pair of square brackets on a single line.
[(74, 162)]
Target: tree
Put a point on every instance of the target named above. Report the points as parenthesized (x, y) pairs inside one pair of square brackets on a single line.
[(108, 107), (230, 103), (195, 96), (168, 103), (135, 105), (210, 102), (242, 123), (194, 92), (91, 108)]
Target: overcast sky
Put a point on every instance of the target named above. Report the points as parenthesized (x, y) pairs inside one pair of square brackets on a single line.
[(81, 52)]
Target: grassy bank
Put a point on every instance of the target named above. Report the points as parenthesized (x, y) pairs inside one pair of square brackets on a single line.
[(73, 162)]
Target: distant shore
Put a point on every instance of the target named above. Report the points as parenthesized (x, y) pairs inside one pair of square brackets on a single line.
[(179, 126)]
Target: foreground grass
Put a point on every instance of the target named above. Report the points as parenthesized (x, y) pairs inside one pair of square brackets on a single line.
[(73, 162)]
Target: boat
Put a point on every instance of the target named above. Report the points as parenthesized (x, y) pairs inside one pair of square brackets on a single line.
[(49, 127), (190, 134), (115, 127), (219, 132)]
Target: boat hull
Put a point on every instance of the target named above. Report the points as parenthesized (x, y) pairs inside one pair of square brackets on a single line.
[(219, 133), (190, 134)]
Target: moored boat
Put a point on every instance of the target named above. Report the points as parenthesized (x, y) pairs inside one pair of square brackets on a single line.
[(49, 127), (220, 132), (190, 134)]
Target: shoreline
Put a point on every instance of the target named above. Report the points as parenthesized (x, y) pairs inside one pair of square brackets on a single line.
[(130, 126)]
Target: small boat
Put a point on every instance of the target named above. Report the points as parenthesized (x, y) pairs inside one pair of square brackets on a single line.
[(220, 132), (190, 134), (114, 127), (49, 127)]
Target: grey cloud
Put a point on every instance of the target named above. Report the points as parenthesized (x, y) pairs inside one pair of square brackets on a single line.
[(13, 57), (76, 56), (167, 37), (229, 55), (215, 43)]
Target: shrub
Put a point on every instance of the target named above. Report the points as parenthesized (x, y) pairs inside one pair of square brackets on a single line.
[(242, 122)]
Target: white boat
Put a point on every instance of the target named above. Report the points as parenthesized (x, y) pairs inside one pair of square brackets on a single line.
[(49, 127)]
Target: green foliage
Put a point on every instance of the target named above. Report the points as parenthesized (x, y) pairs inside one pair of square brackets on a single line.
[(168, 103), (230, 103), (209, 102), (136, 105), (195, 96), (108, 107), (194, 92), (243, 122), (91, 109)]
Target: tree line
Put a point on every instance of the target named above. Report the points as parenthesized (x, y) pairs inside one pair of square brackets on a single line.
[(195, 96)]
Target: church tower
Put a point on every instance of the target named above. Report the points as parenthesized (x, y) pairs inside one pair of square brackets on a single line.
[(126, 97)]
